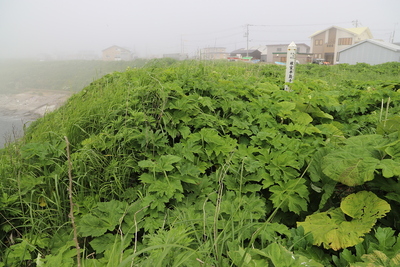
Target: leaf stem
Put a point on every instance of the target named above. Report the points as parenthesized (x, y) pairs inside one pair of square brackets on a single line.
[(71, 204)]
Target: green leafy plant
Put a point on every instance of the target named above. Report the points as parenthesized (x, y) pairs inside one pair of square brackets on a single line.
[(209, 164), (334, 230)]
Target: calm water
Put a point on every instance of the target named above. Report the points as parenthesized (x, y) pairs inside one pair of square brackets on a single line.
[(9, 126)]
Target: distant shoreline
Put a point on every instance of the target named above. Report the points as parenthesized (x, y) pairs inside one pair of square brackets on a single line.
[(31, 104), (21, 108)]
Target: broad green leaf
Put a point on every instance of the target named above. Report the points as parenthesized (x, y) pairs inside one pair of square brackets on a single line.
[(241, 207), (331, 228), (102, 243), (283, 165), (282, 257), (162, 164), (388, 126), (330, 130), (301, 118), (364, 205), (267, 180), (91, 225), (105, 217), (292, 195), (389, 168), (314, 111), (165, 162), (285, 108), (378, 258), (332, 133), (184, 131), (241, 257), (386, 238), (188, 148), (393, 196), (19, 252), (393, 150), (303, 129), (333, 231), (366, 145), (274, 231), (64, 257), (315, 168), (168, 188), (349, 168)]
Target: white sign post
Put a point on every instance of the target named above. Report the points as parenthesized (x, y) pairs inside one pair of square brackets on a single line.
[(290, 64)]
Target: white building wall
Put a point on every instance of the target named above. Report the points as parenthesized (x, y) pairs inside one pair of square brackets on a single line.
[(368, 53)]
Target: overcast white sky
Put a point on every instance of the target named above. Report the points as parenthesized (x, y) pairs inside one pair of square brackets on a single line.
[(155, 27)]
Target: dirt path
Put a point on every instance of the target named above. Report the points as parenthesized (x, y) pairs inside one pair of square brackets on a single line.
[(31, 104)]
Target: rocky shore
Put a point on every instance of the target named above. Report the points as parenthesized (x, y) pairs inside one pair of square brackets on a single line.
[(31, 104)]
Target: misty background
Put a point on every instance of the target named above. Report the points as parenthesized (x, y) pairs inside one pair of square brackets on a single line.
[(152, 28)]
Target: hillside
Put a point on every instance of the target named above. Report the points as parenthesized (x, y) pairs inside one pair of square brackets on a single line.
[(210, 164)]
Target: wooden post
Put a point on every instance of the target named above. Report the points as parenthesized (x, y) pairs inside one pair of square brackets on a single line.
[(290, 64)]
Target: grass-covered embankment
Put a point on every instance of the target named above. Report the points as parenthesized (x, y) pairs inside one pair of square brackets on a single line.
[(209, 164)]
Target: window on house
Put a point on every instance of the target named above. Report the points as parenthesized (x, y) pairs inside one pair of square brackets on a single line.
[(344, 41), (318, 42), (298, 49), (279, 49)]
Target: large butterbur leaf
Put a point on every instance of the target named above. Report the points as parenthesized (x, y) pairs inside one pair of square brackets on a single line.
[(364, 205), (356, 162), (333, 230), (349, 168)]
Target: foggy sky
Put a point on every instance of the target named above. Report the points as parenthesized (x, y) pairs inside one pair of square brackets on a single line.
[(154, 27)]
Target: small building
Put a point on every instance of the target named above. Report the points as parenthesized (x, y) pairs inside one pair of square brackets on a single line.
[(116, 53), (277, 53), (263, 49), (371, 52), (252, 54), (213, 53)]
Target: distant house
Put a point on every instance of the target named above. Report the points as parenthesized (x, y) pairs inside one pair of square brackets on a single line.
[(243, 53), (327, 43), (212, 53), (116, 53), (277, 53), (371, 52), (263, 50)]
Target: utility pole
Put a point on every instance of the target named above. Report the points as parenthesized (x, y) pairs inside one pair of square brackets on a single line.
[(392, 35), (246, 34), (355, 23)]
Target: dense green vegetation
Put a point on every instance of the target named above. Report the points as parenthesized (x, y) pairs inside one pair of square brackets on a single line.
[(21, 75), (210, 164)]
